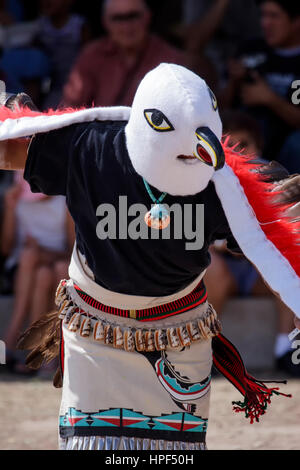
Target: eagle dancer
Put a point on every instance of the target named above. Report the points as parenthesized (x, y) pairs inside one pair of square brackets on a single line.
[(134, 331)]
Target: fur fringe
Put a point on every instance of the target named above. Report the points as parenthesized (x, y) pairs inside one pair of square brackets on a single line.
[(23, 122)]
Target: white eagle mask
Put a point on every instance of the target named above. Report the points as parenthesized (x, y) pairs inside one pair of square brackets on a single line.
[(174, 131)]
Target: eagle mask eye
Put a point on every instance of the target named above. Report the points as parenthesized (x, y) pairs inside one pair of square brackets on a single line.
[(158, 121)]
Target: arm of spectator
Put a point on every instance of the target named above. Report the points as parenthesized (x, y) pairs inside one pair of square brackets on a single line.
[(260, 94), (199, 33), (13, 152), (8, 230), (287, 111), (236, 74), (289, 194)]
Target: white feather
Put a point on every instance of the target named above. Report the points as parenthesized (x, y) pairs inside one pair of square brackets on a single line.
[(273, 266), (27, 126)]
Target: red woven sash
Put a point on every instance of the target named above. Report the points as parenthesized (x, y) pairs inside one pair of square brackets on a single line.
[(197, 297)]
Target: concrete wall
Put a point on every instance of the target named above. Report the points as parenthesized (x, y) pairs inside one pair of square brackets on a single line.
[(251, 325)]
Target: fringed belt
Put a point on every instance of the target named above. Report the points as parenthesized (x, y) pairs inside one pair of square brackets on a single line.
[(137, 339)]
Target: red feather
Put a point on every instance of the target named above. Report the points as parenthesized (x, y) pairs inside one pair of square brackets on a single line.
[(279, 229), (20, 112)]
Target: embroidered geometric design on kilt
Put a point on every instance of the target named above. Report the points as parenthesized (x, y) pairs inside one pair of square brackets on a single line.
[(121, 421), (180, 388)]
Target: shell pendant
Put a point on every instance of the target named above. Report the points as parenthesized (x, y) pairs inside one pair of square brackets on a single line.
[(158, 217)]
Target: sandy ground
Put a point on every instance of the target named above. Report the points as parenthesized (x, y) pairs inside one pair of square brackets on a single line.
[(29, 408)]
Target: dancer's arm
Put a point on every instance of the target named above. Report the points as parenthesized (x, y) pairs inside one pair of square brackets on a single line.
[(13, 154)]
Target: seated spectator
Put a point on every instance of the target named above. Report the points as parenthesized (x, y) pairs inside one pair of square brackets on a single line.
[(10, 13), (261, 78), (61, 35), (24, 70), (213, 29), (37, 235), (23, 66), (235, 275), (109, 70)]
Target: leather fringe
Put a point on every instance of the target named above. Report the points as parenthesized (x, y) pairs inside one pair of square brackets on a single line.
[(133, 339)]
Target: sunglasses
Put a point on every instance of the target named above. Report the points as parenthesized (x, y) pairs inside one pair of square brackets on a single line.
[(125, 17)]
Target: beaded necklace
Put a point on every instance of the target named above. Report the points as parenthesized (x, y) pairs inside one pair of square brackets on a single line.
[(158, 217)]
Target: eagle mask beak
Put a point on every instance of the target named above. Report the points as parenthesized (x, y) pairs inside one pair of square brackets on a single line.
[(208, 148)]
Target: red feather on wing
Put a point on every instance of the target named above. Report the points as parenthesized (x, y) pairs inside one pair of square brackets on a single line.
[(263, 198)]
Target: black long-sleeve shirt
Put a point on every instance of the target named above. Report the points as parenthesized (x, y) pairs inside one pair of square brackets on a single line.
[(90, 165)]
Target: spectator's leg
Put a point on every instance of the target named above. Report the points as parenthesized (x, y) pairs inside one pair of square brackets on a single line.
[(47, 279), (282, 347), (23, 292), (42, 295), (289, 156), (285, 326), (60, 271), (286, 318), (40, 303), (260, 288), (219, 282)]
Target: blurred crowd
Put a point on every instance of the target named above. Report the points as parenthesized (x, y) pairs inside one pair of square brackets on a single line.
[(83, 53)]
